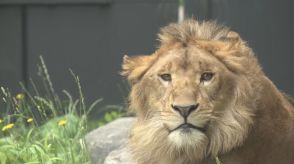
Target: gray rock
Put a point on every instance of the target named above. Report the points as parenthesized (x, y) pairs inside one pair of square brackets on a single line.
[(118, 156), (100, 142)]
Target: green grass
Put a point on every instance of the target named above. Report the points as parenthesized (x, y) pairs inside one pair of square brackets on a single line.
[(38, 127)]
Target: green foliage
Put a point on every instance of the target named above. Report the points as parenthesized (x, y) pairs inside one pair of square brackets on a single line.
[(42, 128), (114, 113)]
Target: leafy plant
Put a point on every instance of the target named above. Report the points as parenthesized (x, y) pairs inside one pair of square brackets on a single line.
[(114, 113), (40, 127)]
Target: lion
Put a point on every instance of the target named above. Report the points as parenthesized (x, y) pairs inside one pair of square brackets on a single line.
[(202, 94)]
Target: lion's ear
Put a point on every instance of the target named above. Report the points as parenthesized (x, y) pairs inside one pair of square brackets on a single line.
[(135, 67)]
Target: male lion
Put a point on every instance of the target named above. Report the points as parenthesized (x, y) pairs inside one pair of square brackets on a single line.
[(203, 95)]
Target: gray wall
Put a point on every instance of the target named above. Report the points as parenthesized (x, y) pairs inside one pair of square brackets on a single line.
[(91, 36), (10, 46), (267, 26)]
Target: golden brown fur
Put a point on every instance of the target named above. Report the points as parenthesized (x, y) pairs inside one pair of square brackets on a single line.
[(240, 115)]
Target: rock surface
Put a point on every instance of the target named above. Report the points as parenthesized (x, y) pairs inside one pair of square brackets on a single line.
[(118, 156), (111, 140)]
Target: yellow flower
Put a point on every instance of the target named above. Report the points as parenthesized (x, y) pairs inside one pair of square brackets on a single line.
[(8, 126), (30, 120), (62, 122), (1, 120), (20, 96)]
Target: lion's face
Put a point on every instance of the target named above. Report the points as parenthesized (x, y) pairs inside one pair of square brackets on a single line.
[(187, 88)]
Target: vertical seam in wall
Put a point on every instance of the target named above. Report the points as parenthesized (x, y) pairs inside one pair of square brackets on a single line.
[(292, 43), (24, 44), (292, 46)]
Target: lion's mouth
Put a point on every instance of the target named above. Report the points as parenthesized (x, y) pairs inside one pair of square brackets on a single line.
[(187, 127)]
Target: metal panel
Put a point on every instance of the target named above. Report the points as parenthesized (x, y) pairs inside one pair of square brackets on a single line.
[(199, 9), (73, 37), (145, 1), (10, 47), (266, 25), (52, 2), (92, 40)]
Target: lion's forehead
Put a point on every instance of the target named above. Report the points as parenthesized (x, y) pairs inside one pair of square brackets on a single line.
[(187, 59)]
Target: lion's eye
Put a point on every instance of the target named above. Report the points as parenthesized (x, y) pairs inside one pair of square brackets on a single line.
[(166, 77), (206, 76)]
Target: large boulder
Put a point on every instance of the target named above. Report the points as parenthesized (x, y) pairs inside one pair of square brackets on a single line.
[(118, 156), (110, 138)]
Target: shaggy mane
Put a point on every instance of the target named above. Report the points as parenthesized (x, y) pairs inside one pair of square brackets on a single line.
[(192, 30)]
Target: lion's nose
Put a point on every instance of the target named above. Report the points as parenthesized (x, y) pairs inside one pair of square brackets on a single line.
[(185, 110)]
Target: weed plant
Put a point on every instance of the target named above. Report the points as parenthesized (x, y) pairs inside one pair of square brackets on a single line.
[(42, 128)]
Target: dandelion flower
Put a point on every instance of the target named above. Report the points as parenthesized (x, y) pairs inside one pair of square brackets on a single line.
[(8, 126), (20, 96), (1, 120), (62, 122), (30, 120)]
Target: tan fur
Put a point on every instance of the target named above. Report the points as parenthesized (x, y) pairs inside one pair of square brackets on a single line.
[(246, 118)]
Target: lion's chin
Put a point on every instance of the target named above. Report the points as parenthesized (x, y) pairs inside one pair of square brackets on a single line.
[(183, 137)]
